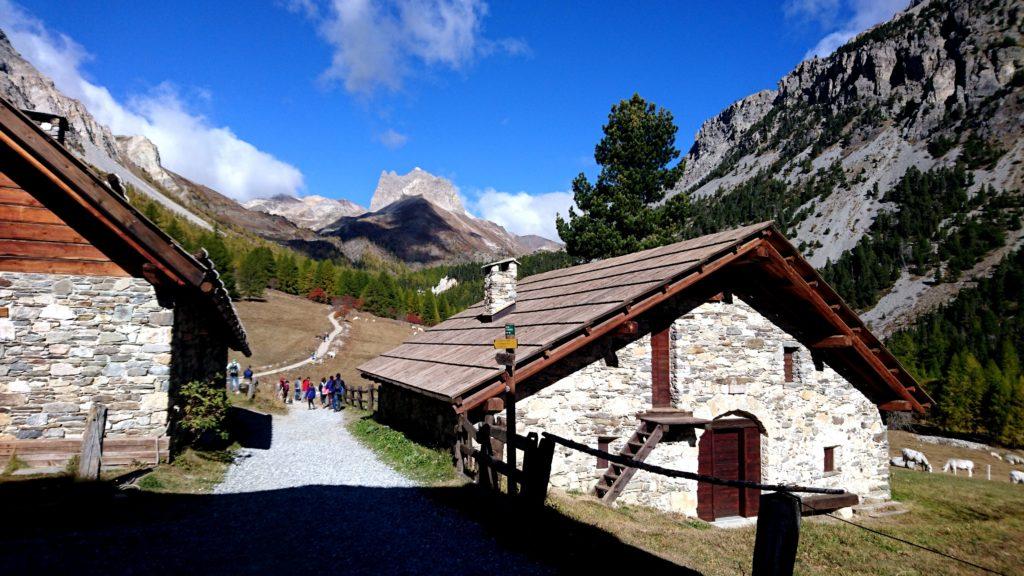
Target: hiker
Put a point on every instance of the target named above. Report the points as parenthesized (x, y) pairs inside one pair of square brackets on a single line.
[(323, 392), (310, 396), (284, 390), (297, 383), (233, 370), (247, 376), (339, 392), (330, 391)]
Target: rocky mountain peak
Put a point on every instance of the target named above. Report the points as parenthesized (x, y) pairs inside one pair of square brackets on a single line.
[(392, 187), (143, 153), (312, 212)]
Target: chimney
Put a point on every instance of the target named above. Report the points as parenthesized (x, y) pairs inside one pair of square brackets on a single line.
[(55, 126), (499, 288)]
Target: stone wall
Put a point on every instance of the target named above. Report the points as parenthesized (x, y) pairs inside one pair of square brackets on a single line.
[(726, 359), (70, 341)]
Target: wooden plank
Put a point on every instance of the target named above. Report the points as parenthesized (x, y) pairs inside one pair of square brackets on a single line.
[(49, 232), (51, 250), (17, 197), (44, 266), (896, 406), (6, 181), (92, 443), (661, 393), (34, 214), (819, 503)]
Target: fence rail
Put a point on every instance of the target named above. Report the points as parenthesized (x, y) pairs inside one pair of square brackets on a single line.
[(362, 398)]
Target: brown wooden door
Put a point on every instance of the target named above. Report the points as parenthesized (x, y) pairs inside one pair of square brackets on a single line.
[(731, 450), (728, 465)]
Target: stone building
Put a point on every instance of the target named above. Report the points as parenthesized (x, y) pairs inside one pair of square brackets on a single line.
[(97, 304), (725, 355)]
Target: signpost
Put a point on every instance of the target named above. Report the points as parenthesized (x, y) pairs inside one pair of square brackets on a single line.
[(509, 344)]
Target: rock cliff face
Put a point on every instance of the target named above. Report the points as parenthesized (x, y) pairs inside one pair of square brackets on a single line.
[(393, 187), (311, 212), (913, 92)]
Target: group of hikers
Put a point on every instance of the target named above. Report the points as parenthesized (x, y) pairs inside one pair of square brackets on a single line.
[(330, 389), (233, 369)]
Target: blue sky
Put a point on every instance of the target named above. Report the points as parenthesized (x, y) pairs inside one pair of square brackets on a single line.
[(505, 99)]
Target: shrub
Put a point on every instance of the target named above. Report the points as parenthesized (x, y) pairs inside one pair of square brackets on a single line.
[(318, 295), (204, 411)]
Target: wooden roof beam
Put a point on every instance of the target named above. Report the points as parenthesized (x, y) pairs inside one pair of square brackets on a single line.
[(831, 311), (837, 341)]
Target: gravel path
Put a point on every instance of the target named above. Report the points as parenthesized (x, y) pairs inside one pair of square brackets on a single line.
[(320, 351), (300, 443), (315, 502)]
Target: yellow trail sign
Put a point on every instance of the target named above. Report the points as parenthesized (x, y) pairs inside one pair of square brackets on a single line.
[(506, 344)]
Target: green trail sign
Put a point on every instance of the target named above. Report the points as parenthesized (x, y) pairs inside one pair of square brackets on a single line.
[(510, 330)]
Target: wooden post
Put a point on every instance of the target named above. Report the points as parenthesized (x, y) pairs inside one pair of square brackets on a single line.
[(510, 420), (92, 443), (778, 533), (537, 470), (989, 471)]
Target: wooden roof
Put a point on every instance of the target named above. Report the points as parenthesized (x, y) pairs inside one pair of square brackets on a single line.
[(560, 312), (104, 218)]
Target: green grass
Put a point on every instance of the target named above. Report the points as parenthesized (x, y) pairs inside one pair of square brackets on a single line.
[(412, 460), (13, 465), (973, 519), (192, 472)]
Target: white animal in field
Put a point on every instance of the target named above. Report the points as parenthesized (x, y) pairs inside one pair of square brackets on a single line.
[(955, 464), (898, 462), (995, 455), (1014, 459), (913, 458), (332, 354), (1016, 477)]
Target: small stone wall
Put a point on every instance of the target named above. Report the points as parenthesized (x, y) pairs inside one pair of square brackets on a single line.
[(726, 360), (69, 341)]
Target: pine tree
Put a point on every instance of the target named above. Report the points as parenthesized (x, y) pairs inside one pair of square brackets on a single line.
[(617, 213), (252, 274)]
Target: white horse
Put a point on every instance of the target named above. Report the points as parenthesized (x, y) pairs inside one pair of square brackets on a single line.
[(1016, 477), (955, 464), (1014, 460), (913, 458)]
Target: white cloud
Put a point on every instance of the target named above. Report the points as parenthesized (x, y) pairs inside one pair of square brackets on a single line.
[(392, 139), (189, 143), (377, 44), (522, 213), (863, 15)]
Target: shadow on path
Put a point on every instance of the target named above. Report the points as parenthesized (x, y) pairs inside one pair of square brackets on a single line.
[(249, 428), (59, 526)]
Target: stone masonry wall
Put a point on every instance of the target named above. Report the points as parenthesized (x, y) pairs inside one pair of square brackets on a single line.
[(726, 360), (70, 341)]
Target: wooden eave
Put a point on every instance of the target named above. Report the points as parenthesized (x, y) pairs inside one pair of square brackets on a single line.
[(69, 188)]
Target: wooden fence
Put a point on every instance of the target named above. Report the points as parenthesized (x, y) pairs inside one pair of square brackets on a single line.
[(363, 398), (487, 468), (117, 452)]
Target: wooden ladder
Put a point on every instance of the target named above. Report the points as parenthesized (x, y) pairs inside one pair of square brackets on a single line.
[(638, 447)]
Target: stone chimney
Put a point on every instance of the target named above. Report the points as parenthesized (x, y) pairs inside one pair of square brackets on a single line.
[(499, 287)]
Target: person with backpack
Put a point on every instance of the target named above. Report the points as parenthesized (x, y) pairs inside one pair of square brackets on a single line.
[(297, 383), (339, 392), (330, 391), (247, 376), (233, 370), (323, 392), (284, 391), (310, 397)]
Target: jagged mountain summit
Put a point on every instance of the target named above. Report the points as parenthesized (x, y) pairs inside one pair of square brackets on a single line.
[(392, 188), (934, 95), (311, 212)]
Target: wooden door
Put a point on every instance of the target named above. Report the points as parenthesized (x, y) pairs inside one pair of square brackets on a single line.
[(727, 464), (731, 450)]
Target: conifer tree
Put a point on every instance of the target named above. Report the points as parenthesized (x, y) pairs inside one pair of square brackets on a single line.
[(222, 259), (617, 213)]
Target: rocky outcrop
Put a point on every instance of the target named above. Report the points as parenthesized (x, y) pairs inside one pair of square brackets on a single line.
[(144, 156), (417, 231), (311, 212), (906, 93), (392, 187)]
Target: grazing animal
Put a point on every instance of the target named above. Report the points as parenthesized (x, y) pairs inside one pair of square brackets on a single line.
[(898, 462), (913, 459), (1016, 477), (1014, 459), (332, 354), (955, 464), (995, 455)]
